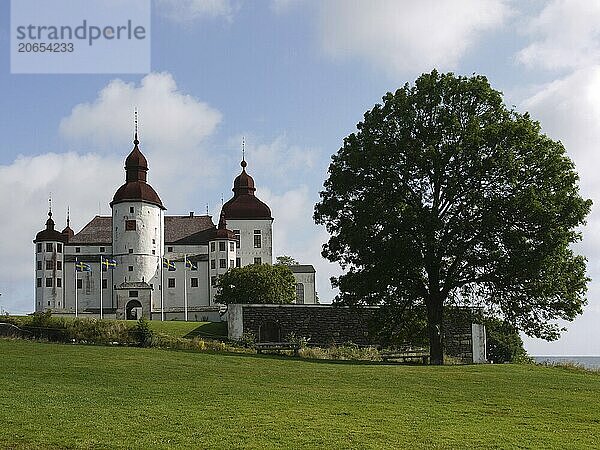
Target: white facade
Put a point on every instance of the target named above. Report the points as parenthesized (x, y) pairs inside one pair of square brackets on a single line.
[(255, 240), (139, 237)]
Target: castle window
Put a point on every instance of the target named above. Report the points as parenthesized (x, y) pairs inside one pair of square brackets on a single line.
[(257, 239), (48, 282), (39, 282), (39, 247), (131, 210), (194, 282), (79, 284), (299, 293), (238, 262), (130, 250), (58, 265), (77, 249), (212, 246), (133, 293), (213, 281), (130, 268), (222, 246), (59, 282), (169, 249), (153, 241), (39, 265), (213, 263), (102, 249), (237, 238), (231, 246), (49, 265), (171, 282), (104, 284), (154, 252), (231, 263), (258, 261), (59, 248), (49, 247), (223, 263), (130, 225)]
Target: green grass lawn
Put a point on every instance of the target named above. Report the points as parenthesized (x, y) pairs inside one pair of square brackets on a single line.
[(57, 396)]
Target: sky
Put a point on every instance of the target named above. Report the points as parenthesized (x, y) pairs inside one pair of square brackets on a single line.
[(293, 77)]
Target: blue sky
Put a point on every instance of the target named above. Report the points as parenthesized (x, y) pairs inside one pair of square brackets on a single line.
[(294, 77)]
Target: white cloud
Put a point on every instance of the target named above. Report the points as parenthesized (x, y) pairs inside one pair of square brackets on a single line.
[(407, 36), (185, 11), (569, 111), (79, 181), (173, 130), (566, 34), (168, 117)]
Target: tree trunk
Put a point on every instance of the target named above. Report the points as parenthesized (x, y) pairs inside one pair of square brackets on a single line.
[(435, 330)]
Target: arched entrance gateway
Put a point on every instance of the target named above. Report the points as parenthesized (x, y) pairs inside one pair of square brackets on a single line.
[(133, 310)]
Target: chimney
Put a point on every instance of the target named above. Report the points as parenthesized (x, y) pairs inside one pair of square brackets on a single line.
[(191, 213)]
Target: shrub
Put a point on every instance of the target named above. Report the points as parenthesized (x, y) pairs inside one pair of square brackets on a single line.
[(143, 333)]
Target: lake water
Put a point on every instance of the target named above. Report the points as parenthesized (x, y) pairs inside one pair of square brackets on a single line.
[(589, 362)]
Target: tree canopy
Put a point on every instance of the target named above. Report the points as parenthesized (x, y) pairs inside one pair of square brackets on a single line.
[(257, 283), (444, 196), (286, 260)]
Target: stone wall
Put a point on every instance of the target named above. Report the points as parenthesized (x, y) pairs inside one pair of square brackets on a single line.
[(323, 324), (327, 324)]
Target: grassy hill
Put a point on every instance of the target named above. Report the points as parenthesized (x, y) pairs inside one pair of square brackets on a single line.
[(56, 396)]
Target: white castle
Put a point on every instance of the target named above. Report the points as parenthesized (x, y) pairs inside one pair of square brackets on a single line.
[(164, 267)]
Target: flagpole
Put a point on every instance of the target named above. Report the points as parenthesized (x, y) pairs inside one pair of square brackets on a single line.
[(76, 261), (162, 290), (101, 287), (185, 302)]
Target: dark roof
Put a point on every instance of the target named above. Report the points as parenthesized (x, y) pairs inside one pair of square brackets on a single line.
[(178, 230), (302, 268), (136, 187), (98, 231), (137, 191), (244, 204), (50, 234)]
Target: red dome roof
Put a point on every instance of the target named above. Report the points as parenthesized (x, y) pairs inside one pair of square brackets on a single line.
[(244, 204), (49, 234), (136, 188)]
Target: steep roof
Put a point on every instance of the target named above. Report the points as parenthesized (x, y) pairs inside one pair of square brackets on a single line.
[(244, 204), (178, 230), (97, 231)]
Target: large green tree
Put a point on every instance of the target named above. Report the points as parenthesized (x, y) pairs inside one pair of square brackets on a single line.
[(444, 196), (257, 283)]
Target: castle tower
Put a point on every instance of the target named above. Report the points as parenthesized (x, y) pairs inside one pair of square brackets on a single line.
[(251, 221), (49, 269), (222, 254), (138, 239)]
